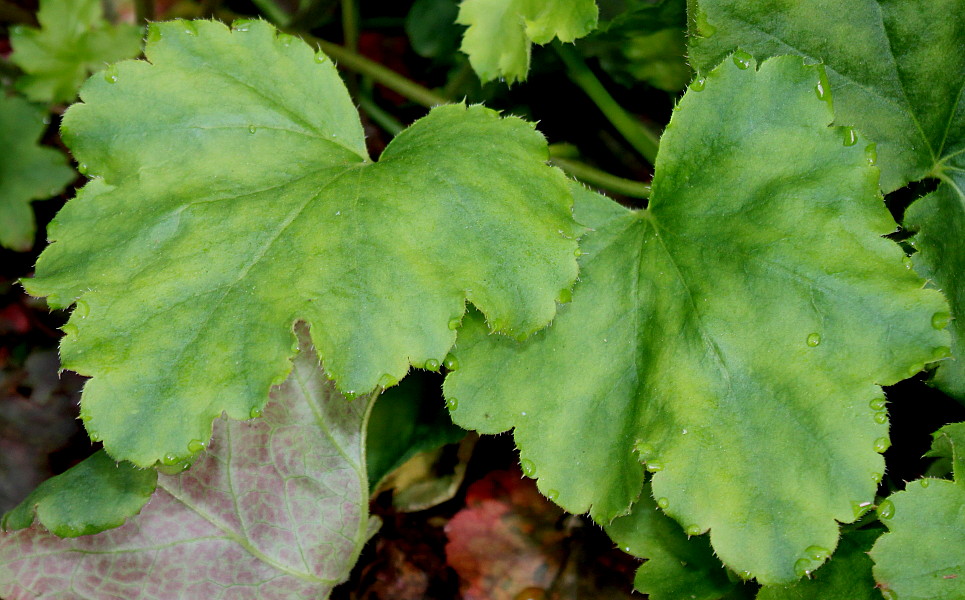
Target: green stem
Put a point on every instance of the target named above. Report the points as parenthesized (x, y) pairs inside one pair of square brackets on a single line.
[(350, 25), (602, 179), (144, 10), (642, 139), (381, 117), (272, 12), (381, 74)]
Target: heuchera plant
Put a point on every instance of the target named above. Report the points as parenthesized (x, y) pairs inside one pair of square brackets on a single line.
[(702, 376)]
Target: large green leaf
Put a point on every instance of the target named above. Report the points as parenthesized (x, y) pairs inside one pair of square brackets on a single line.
[(73, 40), (502, 32), (897, 69), (677, 568), (923, 555), (28, 171), (733, 335), (847, 576), (232, 195), (276, 508), (66, 506)]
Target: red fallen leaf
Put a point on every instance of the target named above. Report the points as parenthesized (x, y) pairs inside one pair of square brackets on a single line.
[(506, 539)]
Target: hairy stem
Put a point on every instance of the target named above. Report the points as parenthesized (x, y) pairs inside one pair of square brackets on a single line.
[(642, 139), (602, 179)]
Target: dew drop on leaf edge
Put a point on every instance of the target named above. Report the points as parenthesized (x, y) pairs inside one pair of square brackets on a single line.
[(529, 468), (110, 75), (452, 403), (693, 530), (802, 567), (254, 413), (881, 418), (878, 403), (742, 59), (940, 320), (195, 446), (817, 552), (886, 509), (882, 444), (663, 503)]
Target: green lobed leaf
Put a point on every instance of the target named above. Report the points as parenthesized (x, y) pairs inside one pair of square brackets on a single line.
[(276, 508), (232, 195), (66, 506), (501, 32), (733, 336), (847, 576), (28, 171), (677, 568), (922, 557), (897, 68), (73, 40)]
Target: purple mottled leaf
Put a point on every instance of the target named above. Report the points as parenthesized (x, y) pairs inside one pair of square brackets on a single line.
[(275, 509)]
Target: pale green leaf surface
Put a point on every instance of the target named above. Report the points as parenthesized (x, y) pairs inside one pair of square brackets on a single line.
[(897, 69), (28, 171), (939, 219), (677, 568), (90, 497), (922, 557), (733, 335), (847, 576), (275, 509), (73, 40), (232, 195), (501, 32)]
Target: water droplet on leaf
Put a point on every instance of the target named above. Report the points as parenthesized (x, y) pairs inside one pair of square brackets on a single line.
[(69, 329), (169, 459), (871, 153), (881, 418), (882, 444), (252, 129), (552, 494), (876, 477), (81, 309), (529, 469), (663, 503), (565, 296), (644, 449), (82, 168), (886, 509), (814, 340), (320, 58), (924, 482), (110, 75), (817, 552), (241, 25), (432, 364), (255, 413), (452, 403), (850, 136), (742, 59), (453, 324), (451, 363), (802, 567), (940, 320), (860, 508), (387, 381), (654, 465), (693, 530), (698, 84), (878, 403), (195, 446)]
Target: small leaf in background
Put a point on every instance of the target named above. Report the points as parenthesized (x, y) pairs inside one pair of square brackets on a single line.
[(922, 557), (502, 32), (73, 40), (431, 27), (93, 496), (406, 420), (507, 539), (276, 508), (847, 576), (645, 41), (677, 567), (741, 360), (28, 171), (188, 274), (903, 94)]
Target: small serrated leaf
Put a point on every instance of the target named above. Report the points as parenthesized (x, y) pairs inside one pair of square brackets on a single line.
[(73, 40), (28, 171), (501, 32)]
